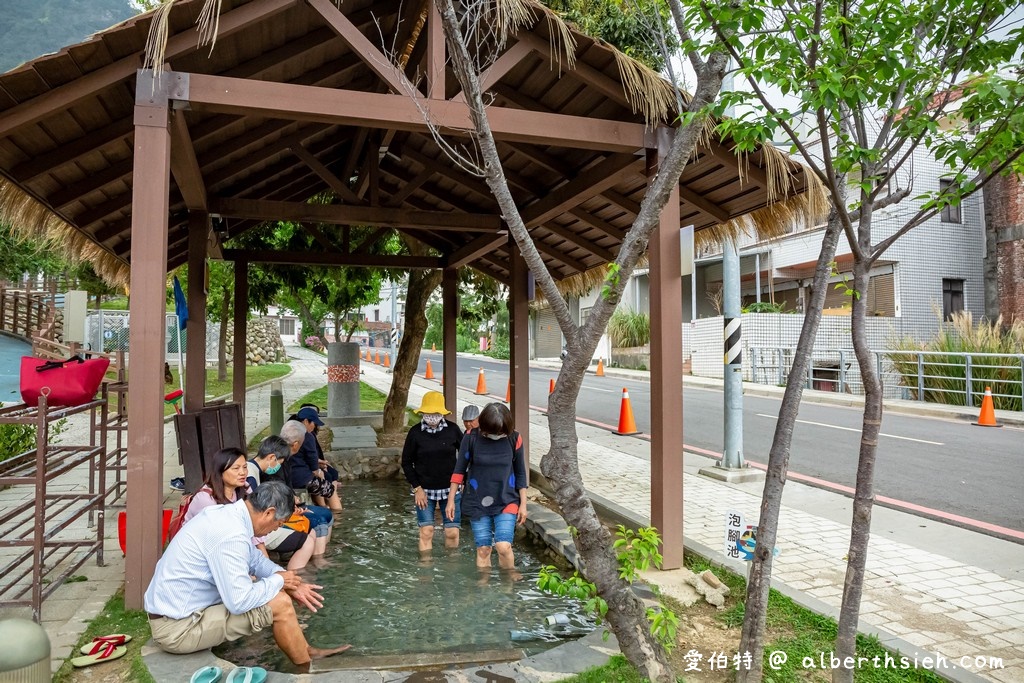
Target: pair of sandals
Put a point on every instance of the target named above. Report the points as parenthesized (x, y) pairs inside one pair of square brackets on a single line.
[(241, 674), (102, 649)]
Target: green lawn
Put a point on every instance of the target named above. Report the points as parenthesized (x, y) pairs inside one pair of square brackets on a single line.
[(116, 619), (254, 374)]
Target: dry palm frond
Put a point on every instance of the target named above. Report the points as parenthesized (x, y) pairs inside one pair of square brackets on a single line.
[(208, 24), (512, 15), (32, 220), (646, 91)]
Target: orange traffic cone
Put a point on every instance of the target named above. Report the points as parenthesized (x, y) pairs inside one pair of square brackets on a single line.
[(600, 367), (987, 416), (376, 357), (433, 347), (429, 374), (508, 392), (366, 356), (442, 379), (481, 383), (627, 425), (387, 360), (551, 386)]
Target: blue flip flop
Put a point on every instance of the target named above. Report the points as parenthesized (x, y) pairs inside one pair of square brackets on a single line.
[(208, 674), (246, 674)]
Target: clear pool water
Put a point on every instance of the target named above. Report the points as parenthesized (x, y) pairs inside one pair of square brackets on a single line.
[(381, 597)]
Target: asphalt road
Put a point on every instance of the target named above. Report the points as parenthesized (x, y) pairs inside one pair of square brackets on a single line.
[(968, 474)]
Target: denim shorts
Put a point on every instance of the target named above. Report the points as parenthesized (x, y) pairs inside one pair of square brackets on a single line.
[(425, 517), (491, 529)]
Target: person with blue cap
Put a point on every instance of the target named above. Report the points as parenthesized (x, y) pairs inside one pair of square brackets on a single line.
[(310, 470)]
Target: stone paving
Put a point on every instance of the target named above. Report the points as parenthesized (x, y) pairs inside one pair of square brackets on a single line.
[(914, 591)]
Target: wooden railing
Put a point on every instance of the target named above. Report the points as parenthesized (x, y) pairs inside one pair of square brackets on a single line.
[(26, 313)]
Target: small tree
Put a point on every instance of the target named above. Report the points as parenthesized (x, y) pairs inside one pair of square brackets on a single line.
[(875, 83)]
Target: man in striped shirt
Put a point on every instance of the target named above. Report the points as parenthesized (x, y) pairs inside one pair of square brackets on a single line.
[(213, 585)]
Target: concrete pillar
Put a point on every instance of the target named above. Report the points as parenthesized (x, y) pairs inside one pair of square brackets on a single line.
[(342, 379), (733, 354), (449, 362), (519, 360)]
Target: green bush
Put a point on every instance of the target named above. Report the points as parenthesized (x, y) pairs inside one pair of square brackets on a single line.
[(765, 307), (628, 328), (946, 376), (16, 439)]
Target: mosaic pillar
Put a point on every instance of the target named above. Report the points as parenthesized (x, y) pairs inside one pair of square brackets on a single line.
[(342, 379)]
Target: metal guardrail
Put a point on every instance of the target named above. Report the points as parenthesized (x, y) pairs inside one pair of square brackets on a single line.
[(927, 376)]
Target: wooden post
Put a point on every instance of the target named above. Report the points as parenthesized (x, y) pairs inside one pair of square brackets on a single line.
[(435, 56), (449, 361), (195, 350), (666, 295), (150, 190), (239, 348), (519, 360)]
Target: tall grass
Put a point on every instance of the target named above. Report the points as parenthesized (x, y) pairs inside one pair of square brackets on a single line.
[(628, 328), (945, 376)]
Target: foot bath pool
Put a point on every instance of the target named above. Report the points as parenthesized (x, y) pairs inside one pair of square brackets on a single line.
[(401, 610)]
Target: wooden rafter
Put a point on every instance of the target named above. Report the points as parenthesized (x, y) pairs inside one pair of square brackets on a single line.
[(300, 258), (501, 66), (595, 180), (335, 183), (184, 165), (475, 249)]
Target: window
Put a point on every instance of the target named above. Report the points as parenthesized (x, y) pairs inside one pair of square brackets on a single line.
[(950, 213), (287, 327), (376, 315), (584, 314), (952, 297)]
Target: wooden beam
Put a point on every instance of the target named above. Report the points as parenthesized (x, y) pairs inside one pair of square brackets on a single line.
[(319, 236), (63, 97), (399, 112), (435, 57), (364, 215), (755, 173), (408, 187), (508, 60), (589, 183), (474, 249), (622, 201), (301, 258), (579, 242), (704, 205), (598, 223), (184, 165), (69, 194), (557, 255), (367, 51), (29, 170), (335, 183), (365, 246)]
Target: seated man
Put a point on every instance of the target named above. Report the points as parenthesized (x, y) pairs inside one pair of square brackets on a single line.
[(204, 592)]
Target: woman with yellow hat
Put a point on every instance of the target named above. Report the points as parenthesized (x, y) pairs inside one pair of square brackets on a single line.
[(428, 460)]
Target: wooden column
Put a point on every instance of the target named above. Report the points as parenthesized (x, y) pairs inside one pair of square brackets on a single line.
[(145, 475), (449, 362), (238, 349), (519, 361), (666, 378), (195, 349), (435, 56)]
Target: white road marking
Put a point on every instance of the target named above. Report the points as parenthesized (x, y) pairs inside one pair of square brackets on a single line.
[(851, 429)]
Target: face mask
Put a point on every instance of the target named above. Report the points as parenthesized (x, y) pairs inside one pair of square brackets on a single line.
[(495, 437), (274, 469), (432, 419)]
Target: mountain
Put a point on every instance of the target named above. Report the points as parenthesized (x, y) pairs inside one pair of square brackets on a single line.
[(30, 28)]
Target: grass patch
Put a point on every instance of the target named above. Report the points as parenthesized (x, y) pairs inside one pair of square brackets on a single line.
[(254, 374), (617, 670), (116, 619)]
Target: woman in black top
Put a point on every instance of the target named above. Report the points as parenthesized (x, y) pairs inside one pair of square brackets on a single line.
[(428, 459)]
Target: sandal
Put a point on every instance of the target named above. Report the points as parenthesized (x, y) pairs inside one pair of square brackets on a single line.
[(246, 674), (108, 653), (208, 674), (99, 642)]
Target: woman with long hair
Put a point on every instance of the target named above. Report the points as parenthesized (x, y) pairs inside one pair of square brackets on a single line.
[(492, 468), (225, 485)]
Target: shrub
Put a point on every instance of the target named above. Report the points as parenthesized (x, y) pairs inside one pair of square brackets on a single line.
[(16, 439), (314, 342), (945, 377), (628, 328), (765, 307)]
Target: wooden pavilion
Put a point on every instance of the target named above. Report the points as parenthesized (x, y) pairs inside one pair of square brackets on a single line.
[(299, 97)]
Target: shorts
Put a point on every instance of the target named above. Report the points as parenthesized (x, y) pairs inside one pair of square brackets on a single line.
[(284, 540), (320, 487), (207, 628), (491, 529), (425, 517), (320, 519)]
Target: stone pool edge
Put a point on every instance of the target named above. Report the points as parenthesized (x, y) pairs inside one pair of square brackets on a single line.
[(559, 662)]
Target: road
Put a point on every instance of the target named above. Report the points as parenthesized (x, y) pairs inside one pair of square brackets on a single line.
[(966, 475)]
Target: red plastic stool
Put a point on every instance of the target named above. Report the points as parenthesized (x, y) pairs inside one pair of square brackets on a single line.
[(122, 529)]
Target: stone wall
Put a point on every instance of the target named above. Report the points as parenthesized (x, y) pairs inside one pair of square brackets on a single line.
[(371, 463), (263, 342)]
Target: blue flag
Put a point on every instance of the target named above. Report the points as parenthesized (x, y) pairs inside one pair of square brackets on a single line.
[(180, 305)]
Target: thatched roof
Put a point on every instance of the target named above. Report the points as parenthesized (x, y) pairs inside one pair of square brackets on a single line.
[(66, 138)]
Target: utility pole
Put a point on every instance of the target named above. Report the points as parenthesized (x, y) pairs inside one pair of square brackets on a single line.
[(732, 467), (394, 322)]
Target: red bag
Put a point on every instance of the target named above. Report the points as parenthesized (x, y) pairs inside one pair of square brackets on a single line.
[(174, 525), (70, 382)]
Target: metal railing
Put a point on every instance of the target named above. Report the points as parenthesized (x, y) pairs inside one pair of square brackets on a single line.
[(927, 376)]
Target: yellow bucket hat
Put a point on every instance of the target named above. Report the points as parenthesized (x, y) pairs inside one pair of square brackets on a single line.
[(433, 402)]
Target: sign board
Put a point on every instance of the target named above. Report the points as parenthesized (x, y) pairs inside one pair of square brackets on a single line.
[(75, 303), (740, 537), (686, 253)]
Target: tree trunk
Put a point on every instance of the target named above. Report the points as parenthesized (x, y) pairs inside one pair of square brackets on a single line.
[(759, 584), (864, 497), (222, 342), (421, 285)]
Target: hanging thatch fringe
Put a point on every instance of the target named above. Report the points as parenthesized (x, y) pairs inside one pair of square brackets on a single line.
[(646, 91), (32, 220)]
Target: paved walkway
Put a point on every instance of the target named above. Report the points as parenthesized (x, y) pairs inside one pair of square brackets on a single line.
[(932, 586)]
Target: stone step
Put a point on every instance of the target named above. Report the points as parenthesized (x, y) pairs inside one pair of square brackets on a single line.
[(359, 436)]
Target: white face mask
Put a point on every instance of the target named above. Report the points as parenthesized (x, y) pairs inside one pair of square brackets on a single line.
[(432, 419), (495, 437)]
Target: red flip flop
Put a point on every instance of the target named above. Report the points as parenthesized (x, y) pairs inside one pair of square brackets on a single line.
[(100, 642), (108, 652)]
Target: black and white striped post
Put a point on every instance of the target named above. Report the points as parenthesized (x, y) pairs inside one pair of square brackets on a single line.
[(732, 458)]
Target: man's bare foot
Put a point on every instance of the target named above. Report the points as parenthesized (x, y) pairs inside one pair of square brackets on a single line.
[(320, 653)]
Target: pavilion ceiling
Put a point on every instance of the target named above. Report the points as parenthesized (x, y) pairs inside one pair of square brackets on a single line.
[(66, 140)]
